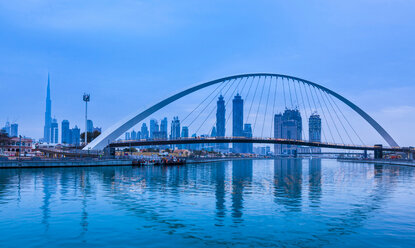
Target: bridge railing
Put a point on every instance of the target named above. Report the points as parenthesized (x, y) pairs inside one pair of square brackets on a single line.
[(237, 139)]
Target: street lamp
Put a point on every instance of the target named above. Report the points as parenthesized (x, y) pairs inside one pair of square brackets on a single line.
[(86, 99), (20, 145)]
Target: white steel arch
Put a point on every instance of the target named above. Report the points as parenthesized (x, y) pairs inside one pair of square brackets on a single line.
[(124, 125)]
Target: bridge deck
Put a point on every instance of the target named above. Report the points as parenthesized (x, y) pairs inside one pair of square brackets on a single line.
[(137, 143)]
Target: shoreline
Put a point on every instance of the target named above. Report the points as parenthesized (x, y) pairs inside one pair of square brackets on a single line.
[(64, 163), (379, 161), (15, 164)]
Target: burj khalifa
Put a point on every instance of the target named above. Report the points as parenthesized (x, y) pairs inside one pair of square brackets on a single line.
[(48, 116)]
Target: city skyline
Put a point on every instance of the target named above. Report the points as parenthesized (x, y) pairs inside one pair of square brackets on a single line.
[(266, 123), (240, 130), (368, 72), (286, 125)]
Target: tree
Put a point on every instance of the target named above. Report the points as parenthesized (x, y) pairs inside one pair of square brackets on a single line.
[(91, 136), (132, 149)]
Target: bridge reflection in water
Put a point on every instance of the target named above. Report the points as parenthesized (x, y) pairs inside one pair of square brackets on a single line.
[(224, 203)]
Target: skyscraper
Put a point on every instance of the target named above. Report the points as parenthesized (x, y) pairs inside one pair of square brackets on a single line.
[(144, 131), (65, 132), (278, 133), (89, 126), (163, 128), (133, 135), (185, 132), (75, 136), (213, 133), (248, 147), (220, 117), (48, 116), (221, 122), (238, 121), (314, 131), (287, 126), (175, 128), (7, 128), (54, 132), (14, 130), (294, 115), (154, 127)]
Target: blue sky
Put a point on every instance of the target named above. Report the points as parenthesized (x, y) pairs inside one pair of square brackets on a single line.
[(129, 53)]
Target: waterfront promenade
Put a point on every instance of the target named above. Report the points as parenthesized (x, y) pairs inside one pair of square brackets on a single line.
[(64, 163), (403, 162)]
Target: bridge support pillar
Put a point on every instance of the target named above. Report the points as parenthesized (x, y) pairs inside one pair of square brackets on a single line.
[(109, 151), (378, 151)]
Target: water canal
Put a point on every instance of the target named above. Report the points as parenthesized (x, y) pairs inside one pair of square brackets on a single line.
[(244, 203)]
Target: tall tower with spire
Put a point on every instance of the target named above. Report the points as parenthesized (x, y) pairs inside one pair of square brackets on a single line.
[(48, 115)]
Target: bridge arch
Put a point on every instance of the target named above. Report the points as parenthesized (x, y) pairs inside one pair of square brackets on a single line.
[(124, 125)]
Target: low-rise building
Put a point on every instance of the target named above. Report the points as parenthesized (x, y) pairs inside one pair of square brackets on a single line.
[(11, 146)]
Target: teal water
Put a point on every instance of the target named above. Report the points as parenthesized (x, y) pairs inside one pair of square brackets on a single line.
[(260, 203)]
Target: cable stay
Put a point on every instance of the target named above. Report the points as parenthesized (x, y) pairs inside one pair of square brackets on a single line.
[(214, 108), (331, 117), (253, 98), (259, 105), (266, 107), (315, 107), (347, 120), (338, 118), (324, 115), (203, 111), (273, 108)]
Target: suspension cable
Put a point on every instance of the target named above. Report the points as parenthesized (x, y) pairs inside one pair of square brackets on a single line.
[(331, 97), (273, 108), (214, 107), (210, 103), (331, 117), (315, 107), (338, 118), (324, 114), (204, 100), (259, 105), (289, 89), (249, 91), (266, 108), (299, 106), (253, 99), (283, 91), (227, 102), (305, 108)]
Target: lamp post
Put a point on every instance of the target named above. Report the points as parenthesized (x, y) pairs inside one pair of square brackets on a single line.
[(20, 145), (86, 99)]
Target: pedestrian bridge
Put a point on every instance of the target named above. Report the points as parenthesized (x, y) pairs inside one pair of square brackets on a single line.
[(263, 96), (221, 140)]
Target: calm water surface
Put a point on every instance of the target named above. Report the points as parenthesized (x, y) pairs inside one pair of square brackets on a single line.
[(283, 203)]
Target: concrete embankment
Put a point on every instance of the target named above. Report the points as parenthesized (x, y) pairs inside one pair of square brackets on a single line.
[(380, 161), (64, 163)]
